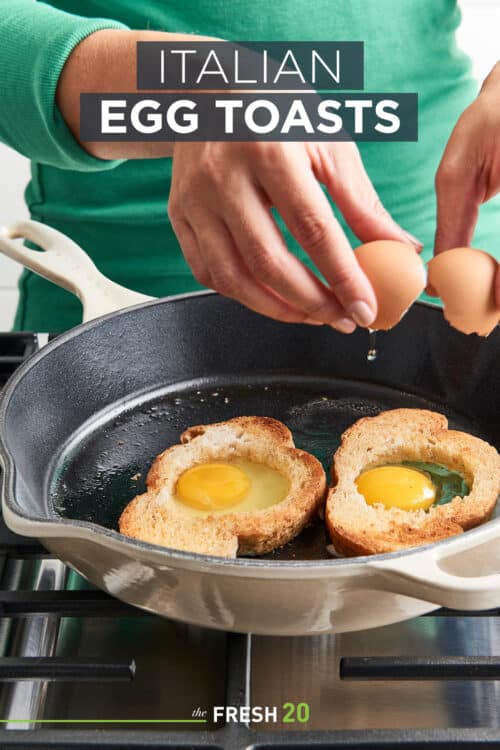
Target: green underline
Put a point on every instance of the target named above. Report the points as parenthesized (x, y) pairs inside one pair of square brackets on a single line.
[(103, 721)]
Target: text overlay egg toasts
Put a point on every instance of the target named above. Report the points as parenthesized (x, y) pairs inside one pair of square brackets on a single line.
[(234, 487), (382, 501)]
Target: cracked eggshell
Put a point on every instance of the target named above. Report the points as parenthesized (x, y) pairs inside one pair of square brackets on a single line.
[(464, 278), (397, 276)]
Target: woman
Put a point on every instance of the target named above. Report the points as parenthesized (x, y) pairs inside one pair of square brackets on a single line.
[(252, 220)]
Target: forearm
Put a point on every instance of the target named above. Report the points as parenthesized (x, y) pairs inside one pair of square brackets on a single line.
[(105, 62), (35, 42)]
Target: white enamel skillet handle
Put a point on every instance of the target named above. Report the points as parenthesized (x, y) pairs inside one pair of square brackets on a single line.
[(423, 574), (65, 263)]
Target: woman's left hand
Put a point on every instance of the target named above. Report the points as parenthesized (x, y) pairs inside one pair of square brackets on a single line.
[(469, 172)]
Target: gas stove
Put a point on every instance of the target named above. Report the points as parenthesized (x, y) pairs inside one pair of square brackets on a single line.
[(79, 669)]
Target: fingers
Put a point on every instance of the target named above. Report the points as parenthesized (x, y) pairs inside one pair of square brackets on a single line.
[(457, 204), (468, 175), (190, 250), (497, 288), (297, 195), (243, 253), (216, 264), (267, 258), (342, 171)]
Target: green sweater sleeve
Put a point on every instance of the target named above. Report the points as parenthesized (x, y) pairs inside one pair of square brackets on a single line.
[(35, 42)]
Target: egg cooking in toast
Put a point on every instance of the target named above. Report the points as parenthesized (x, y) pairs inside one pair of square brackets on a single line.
[(234, 487)]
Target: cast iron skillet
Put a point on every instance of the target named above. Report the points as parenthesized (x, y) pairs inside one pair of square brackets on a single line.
[(82, 419)]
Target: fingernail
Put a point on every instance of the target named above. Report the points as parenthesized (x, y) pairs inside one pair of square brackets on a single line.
[(344, 325), (312, 322), (413, 240), (361, 313)]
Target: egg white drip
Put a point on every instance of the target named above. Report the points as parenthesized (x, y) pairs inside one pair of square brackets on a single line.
[(267, 487)]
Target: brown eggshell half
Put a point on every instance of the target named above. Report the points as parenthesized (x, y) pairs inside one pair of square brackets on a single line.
[(397, 276), (464, 278)]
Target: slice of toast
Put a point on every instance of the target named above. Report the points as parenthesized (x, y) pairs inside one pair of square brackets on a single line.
[(157, 518), (391, 437)]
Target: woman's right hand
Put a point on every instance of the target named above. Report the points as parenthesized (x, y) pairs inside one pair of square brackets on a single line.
[(469, 172), (222, 194), (220, 208)]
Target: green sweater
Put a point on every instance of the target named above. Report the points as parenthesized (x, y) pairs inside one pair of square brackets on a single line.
[(117, 210)]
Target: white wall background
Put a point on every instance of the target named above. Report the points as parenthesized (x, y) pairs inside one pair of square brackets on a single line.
[(478, 35)]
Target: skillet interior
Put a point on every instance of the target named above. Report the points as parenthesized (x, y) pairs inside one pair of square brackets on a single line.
[(105, 464), (90, 412)]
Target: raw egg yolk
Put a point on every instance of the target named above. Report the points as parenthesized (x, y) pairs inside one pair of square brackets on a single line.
[(212, 486), (397, 487)]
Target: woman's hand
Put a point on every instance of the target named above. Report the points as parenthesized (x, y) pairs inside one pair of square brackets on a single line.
[(469, 173), (222, 194), (220, 208)]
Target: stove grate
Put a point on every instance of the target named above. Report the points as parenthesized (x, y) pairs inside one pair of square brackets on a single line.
[(57, 668)]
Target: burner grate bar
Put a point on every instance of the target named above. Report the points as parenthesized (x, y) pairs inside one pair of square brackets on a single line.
[(38, 637), (20, 547), (61, 669), (238, 681), (238, 669), (433, 739), (420, 668), (495, 612), (60, 739), (369, 744), (88, 603)]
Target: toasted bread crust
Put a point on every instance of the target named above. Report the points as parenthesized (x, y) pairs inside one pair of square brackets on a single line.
[(153, 517), (357, 528)]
